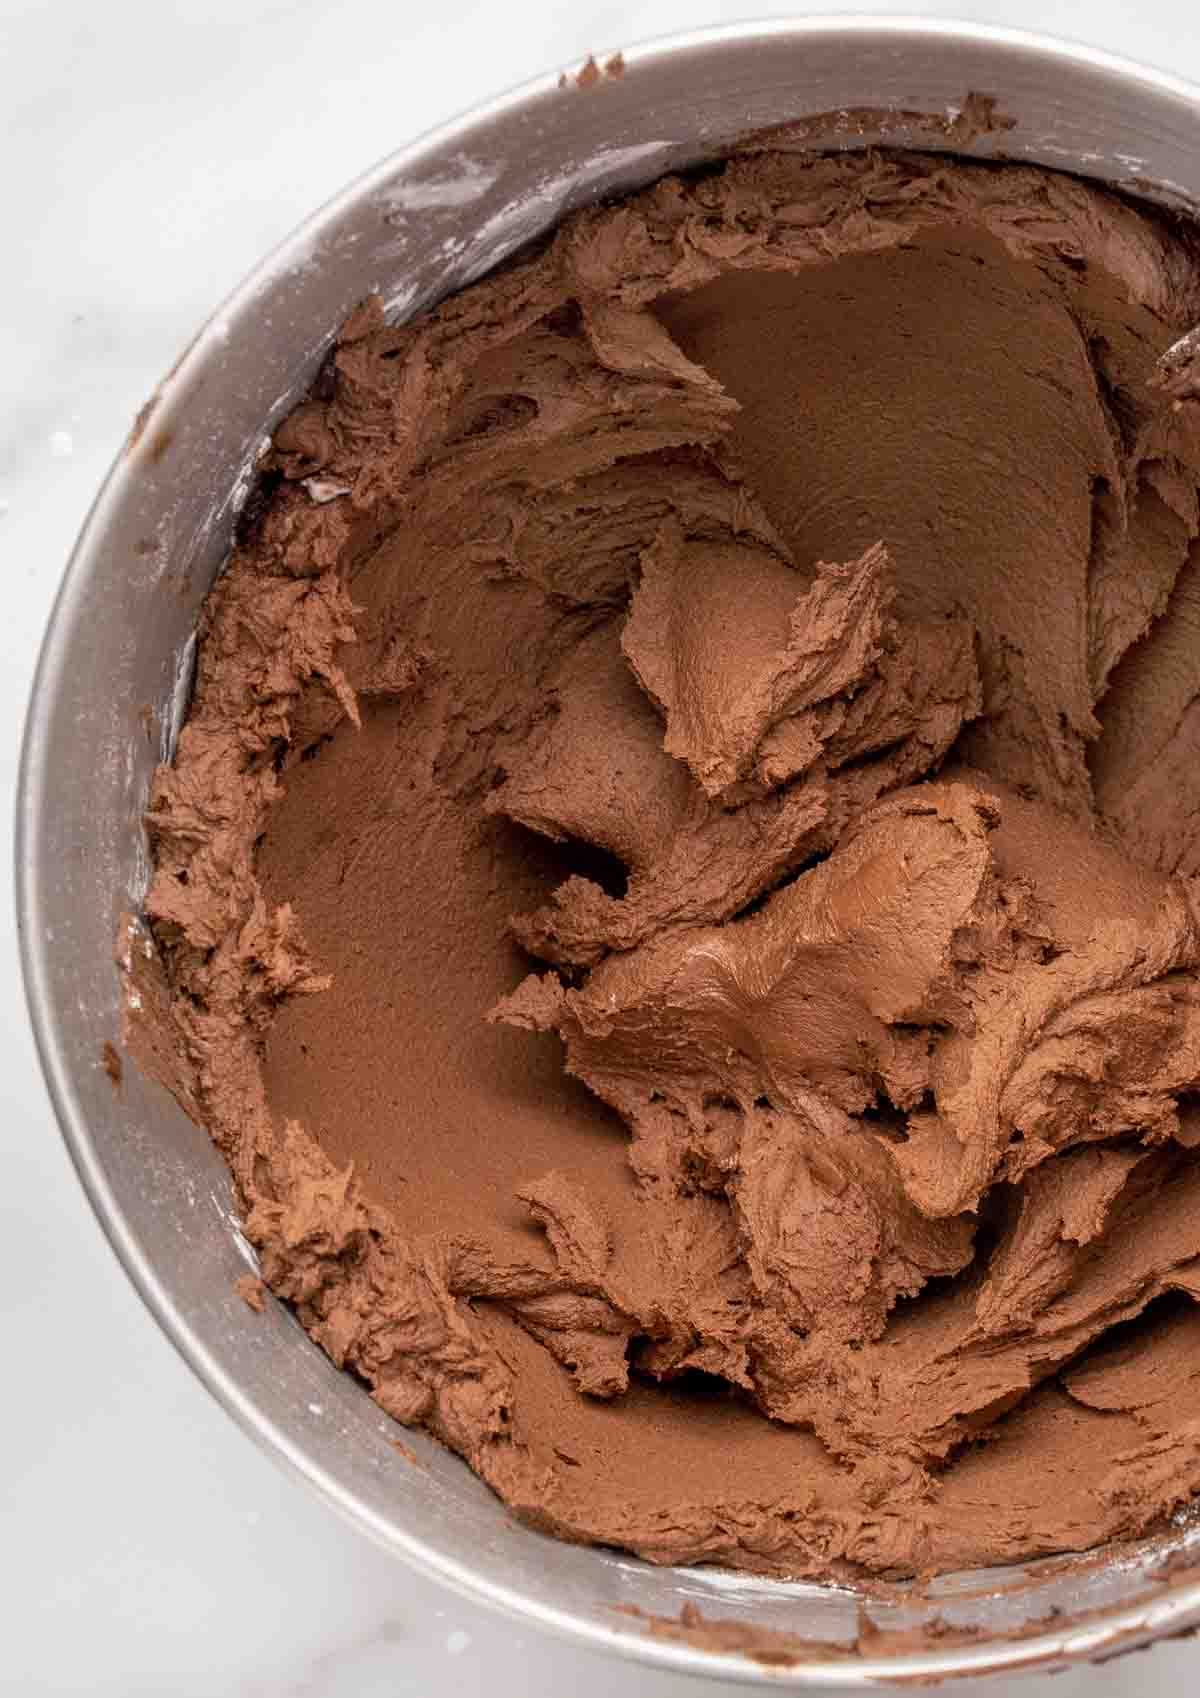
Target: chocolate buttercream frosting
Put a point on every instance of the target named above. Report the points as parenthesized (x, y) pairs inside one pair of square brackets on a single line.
[(677, 894)]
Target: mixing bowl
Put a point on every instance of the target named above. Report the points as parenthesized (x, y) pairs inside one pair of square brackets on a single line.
[(113, 683)]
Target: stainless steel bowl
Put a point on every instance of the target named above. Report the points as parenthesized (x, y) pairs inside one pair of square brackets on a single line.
[(426, 221)]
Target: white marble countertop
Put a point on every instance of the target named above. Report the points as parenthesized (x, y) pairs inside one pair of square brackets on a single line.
[(152, 152)]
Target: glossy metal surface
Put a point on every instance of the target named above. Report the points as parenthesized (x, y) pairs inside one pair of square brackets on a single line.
[(427, 220)]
